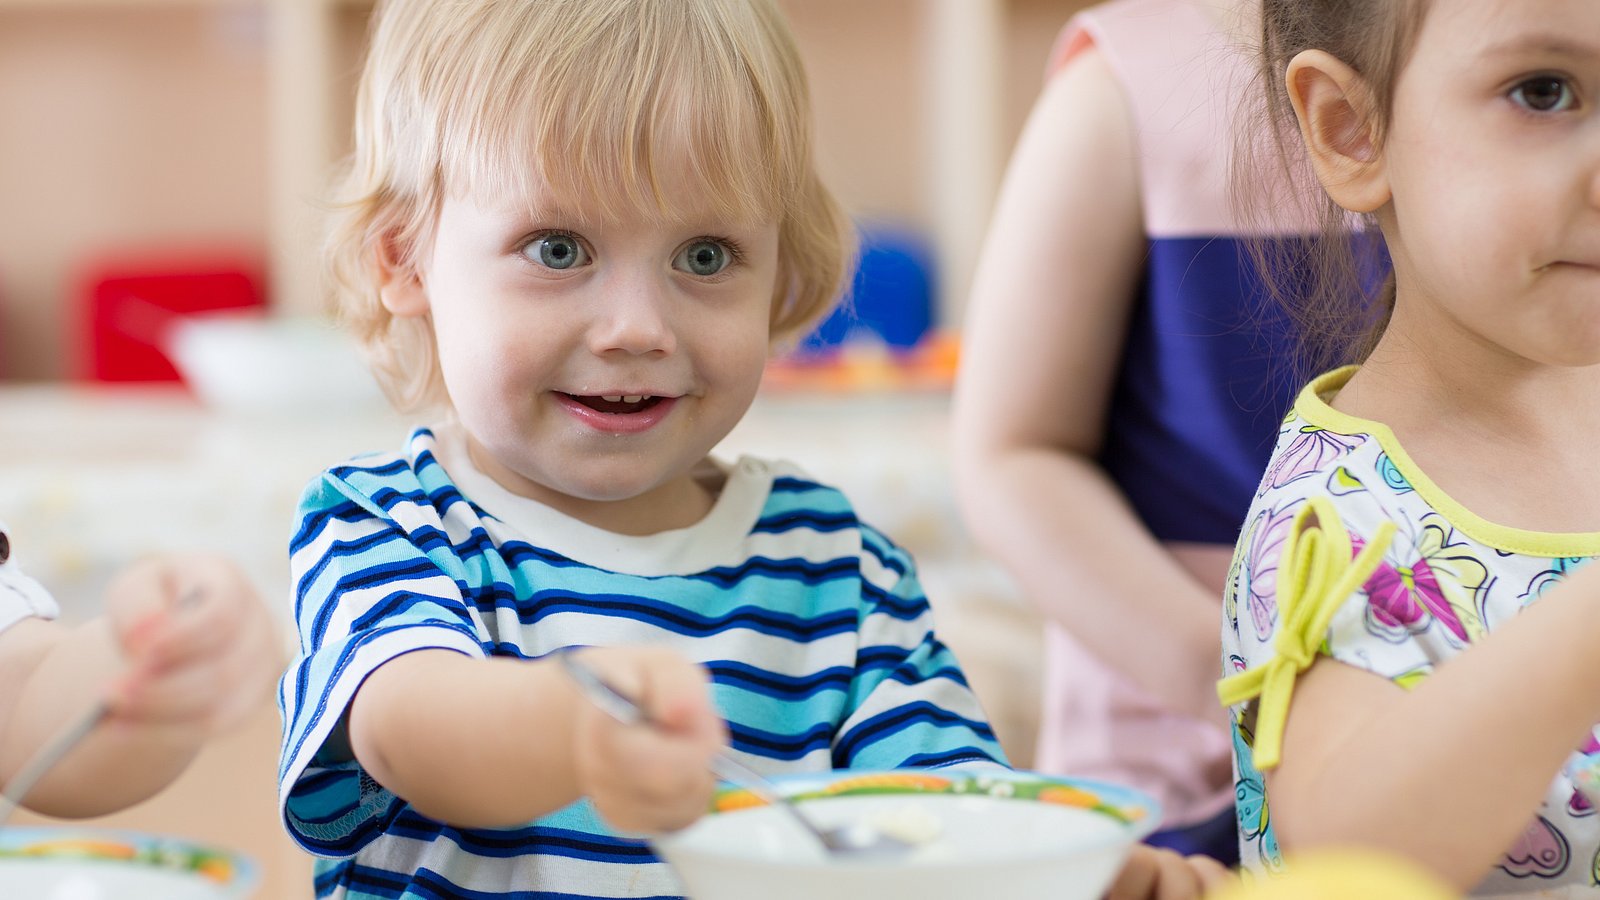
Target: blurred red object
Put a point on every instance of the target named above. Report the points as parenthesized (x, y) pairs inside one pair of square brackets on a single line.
[(129, 308)]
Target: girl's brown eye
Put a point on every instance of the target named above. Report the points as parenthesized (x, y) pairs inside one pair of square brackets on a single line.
[(5, 547), (1544, 94)]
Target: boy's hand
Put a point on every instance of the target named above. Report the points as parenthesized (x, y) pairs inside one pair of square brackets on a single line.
[(1155, 874), (649, 778), (202, 650)]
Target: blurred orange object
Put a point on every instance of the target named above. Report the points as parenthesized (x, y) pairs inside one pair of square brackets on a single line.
[(868, 366)]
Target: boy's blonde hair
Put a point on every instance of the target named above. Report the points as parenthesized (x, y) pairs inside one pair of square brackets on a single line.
[(474, 97)]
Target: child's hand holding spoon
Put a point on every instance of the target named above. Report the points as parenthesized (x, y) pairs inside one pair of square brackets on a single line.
[(199, 649)]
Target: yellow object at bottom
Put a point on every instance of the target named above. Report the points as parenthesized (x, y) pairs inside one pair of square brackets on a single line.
[(1343, 875)]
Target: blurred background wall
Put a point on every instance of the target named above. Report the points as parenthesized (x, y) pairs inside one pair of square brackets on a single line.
[(146, 128)]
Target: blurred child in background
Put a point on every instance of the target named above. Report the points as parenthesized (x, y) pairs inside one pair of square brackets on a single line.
[(172, 676), (1123, 377)]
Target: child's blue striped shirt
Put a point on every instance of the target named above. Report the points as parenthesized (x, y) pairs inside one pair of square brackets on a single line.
[(812, 624)]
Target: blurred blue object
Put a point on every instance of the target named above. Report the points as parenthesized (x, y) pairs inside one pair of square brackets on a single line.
[(890, 298)]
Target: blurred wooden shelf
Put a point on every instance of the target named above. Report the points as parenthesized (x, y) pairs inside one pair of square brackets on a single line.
[(271, 85)]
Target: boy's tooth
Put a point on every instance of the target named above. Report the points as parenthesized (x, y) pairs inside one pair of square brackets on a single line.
[(633, 398), (611, 398)]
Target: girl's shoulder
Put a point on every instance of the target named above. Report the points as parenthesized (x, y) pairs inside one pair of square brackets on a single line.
[(1362, 469), (1342, 463), (1314, 457)]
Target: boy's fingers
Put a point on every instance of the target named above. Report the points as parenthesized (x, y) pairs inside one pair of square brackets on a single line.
[(678, 698), (1211, 873), (1177, 878), (1137, 880), (1155, 874)]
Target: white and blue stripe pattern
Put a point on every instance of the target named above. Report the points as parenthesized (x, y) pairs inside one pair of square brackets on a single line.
[(813, 625)]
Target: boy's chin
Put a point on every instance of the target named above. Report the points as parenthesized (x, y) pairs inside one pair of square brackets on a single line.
[(619, 483)]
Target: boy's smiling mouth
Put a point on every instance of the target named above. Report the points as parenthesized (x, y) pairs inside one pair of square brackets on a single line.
[(618, 410), (617, 404)]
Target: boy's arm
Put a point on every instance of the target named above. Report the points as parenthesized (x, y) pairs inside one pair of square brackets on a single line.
[(428, 725), (494, 743), (394, 699)]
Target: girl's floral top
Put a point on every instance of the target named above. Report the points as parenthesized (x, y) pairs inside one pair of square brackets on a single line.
[(1410, 580)]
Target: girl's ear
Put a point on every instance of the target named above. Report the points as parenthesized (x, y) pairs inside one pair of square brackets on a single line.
[(399, 283), (1334, 107)]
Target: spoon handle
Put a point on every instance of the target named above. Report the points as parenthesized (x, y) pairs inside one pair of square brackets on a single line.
[(610, 700), (727, 767), (47, 756)]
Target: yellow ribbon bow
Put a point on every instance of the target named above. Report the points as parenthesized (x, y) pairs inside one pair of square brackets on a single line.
[(1315, 576)]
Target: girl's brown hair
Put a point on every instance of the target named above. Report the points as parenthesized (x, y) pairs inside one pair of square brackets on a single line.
[(1329, 284), (464, 96)]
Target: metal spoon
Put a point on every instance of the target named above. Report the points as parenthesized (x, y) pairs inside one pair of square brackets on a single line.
[(857, 840), (57, 748)]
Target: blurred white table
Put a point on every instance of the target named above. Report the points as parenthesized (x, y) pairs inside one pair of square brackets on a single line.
[(92, 478)]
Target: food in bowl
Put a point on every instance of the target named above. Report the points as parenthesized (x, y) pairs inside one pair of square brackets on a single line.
[(971, 835), (70, 863)]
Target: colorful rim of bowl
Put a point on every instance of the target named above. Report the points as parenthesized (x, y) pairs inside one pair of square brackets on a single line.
[(1135, 811), (223, 868)]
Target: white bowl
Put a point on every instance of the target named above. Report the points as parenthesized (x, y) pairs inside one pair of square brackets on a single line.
[(68, 863), (1019, 835), (265, 364)]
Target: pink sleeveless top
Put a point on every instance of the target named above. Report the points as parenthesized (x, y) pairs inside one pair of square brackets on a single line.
[(1197, 401)]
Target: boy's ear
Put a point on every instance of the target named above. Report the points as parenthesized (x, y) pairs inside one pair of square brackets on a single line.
[(399, 283), (1334, 107)]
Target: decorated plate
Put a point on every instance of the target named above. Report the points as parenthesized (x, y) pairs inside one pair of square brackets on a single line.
[(67, 863)]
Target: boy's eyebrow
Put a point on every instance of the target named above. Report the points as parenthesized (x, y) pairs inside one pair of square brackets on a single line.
[(545, 209)]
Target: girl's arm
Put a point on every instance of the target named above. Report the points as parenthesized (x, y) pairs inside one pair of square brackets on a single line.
[(1448, 774), (61, 673), (1050, 303), (495, 743)]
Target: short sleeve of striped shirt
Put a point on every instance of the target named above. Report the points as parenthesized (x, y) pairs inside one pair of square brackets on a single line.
[(370, 569), (911, 705)]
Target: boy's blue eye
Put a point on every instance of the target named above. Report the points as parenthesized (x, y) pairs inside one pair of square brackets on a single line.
[(703, 258), (556, 251), (1544, 94)]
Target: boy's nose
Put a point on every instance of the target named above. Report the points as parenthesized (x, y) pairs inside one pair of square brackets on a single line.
[(633, 318)]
